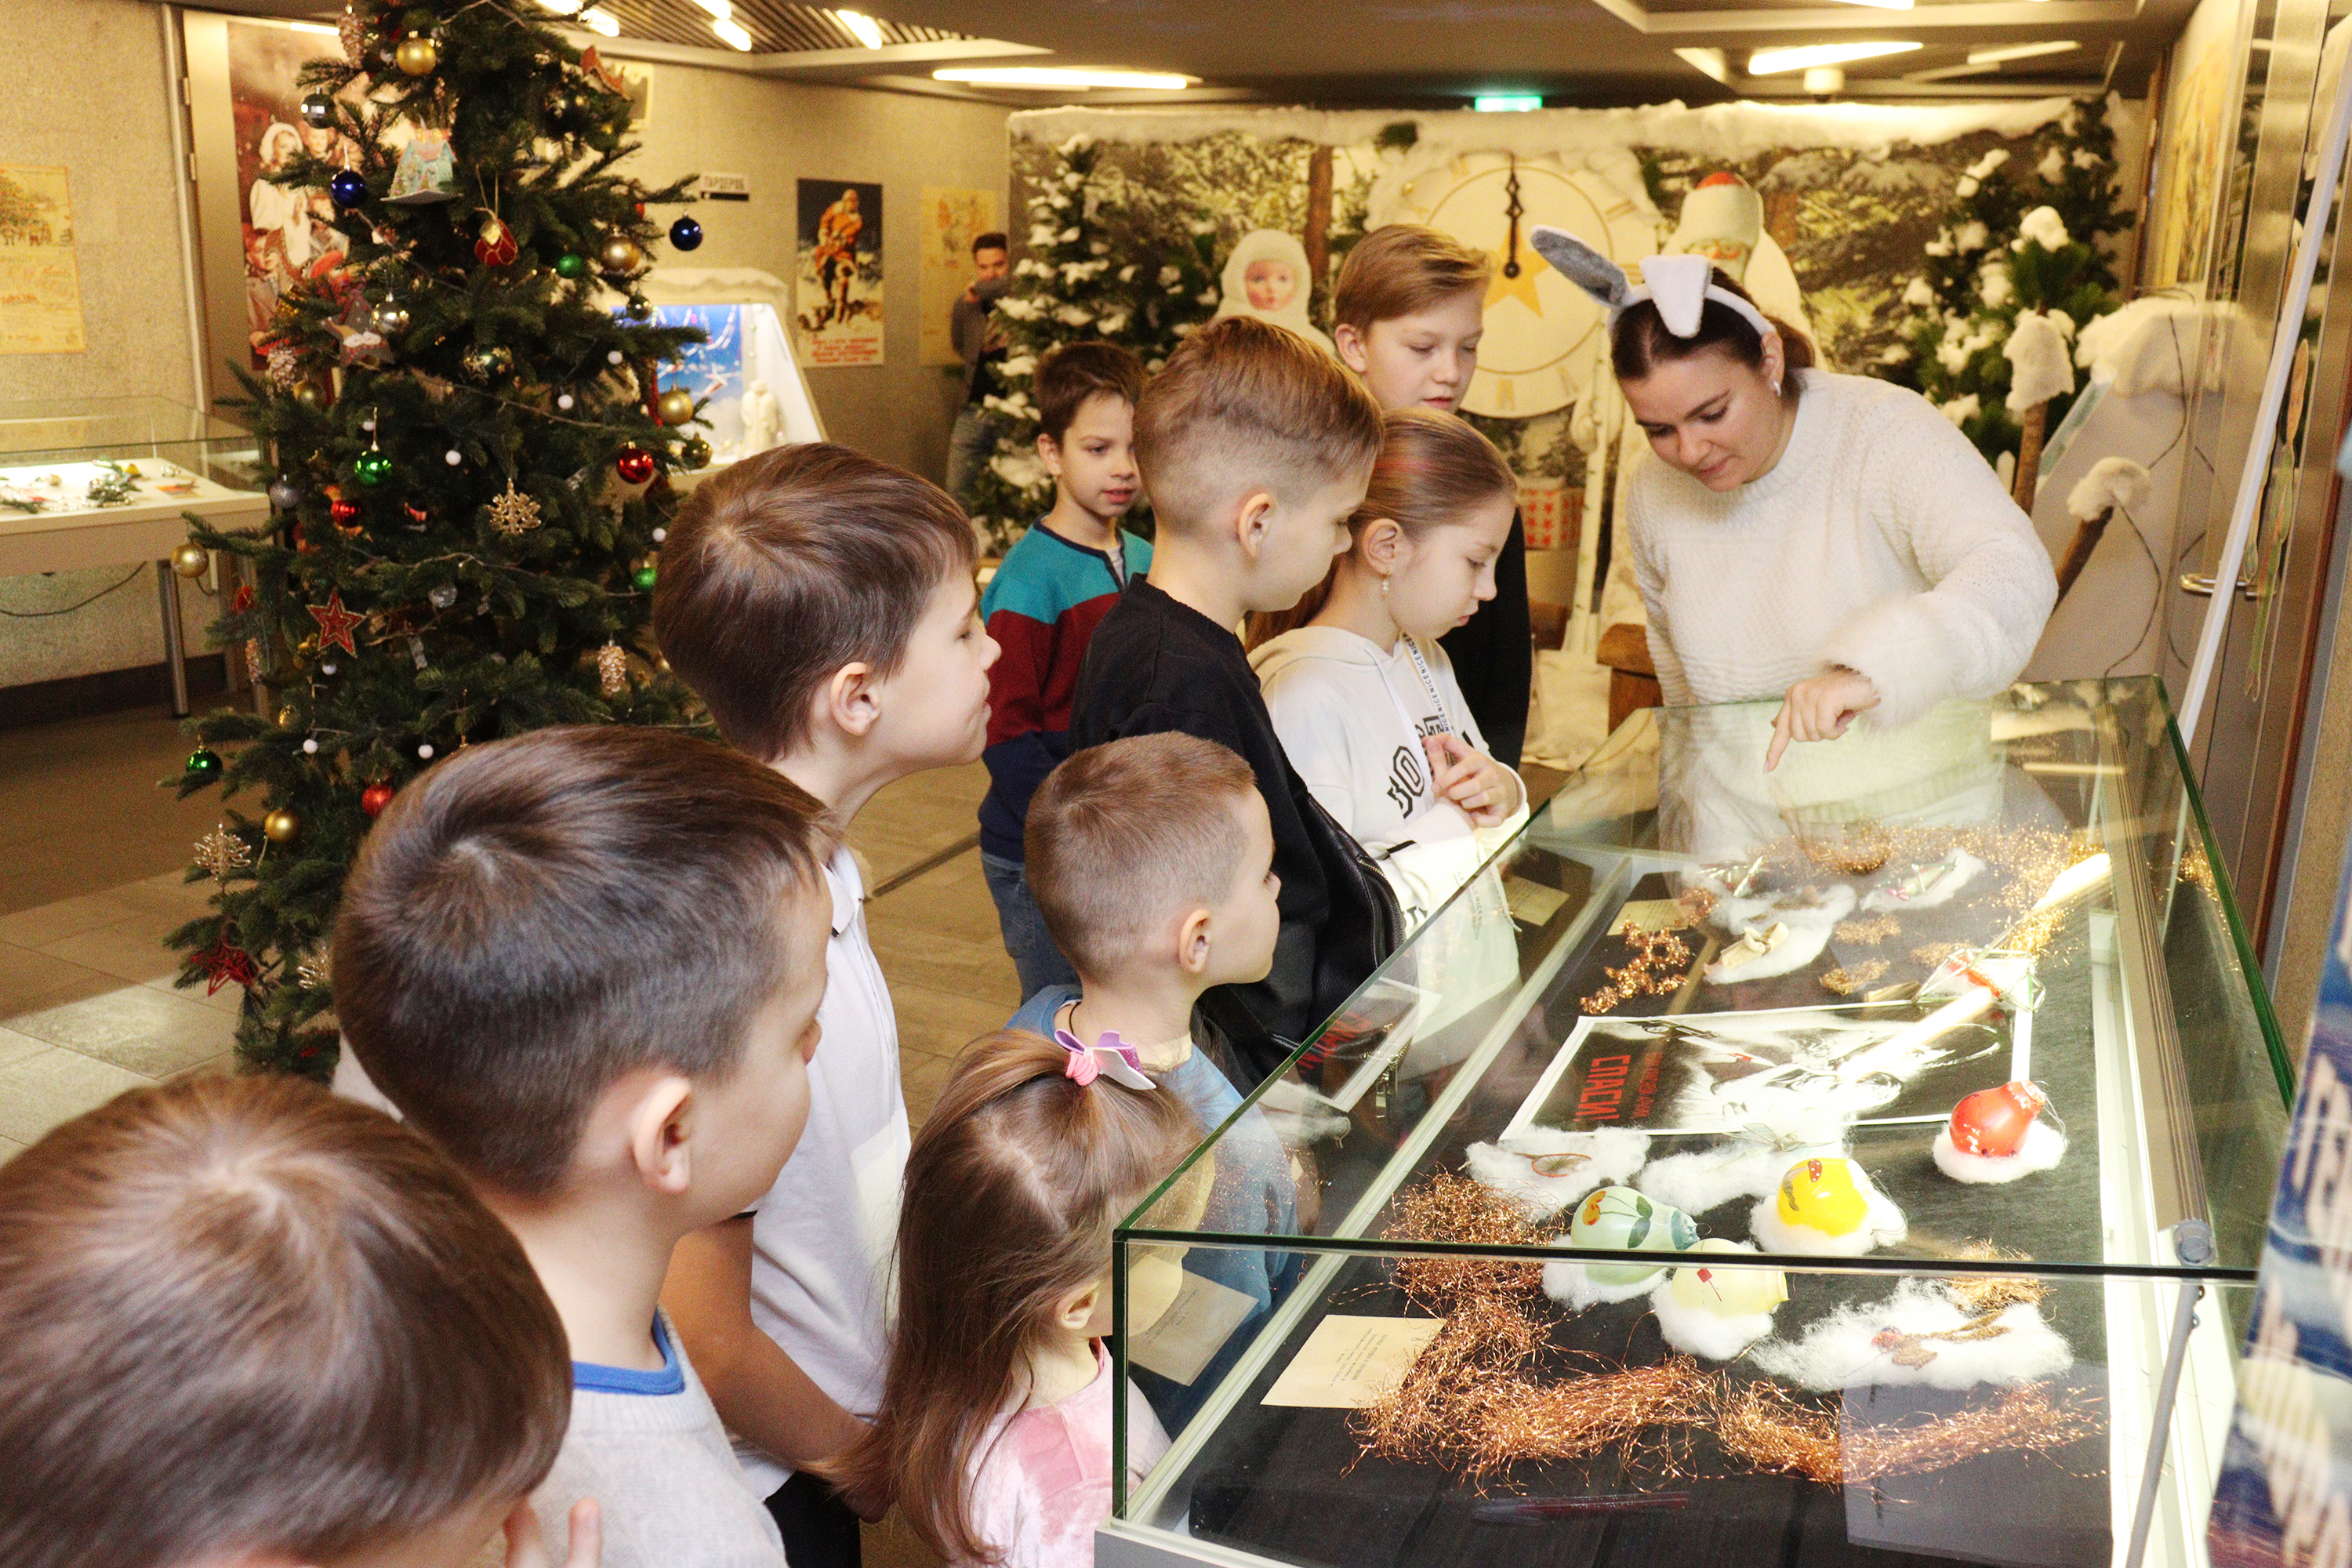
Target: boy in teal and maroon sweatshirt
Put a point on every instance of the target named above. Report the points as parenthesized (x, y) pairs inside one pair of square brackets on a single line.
[(1042, 608)]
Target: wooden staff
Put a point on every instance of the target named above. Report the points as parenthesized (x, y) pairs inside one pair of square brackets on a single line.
[(2036, 421), (2087, 534)]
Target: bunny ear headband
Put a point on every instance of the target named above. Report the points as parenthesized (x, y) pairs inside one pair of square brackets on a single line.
[(1680, 286)]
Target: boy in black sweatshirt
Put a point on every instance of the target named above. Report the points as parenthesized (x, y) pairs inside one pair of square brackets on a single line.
[(1255, 447)]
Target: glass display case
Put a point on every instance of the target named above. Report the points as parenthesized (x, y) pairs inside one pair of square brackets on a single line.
[(112, 481), (1859, 1161), (743, 376)]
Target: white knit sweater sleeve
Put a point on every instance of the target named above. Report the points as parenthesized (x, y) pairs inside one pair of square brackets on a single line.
[(1674, 685), (1970, 633)]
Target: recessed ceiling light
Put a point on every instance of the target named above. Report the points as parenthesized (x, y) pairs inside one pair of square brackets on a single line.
[(868, 31), (1507, 102), (598, 20), (734, 32), (1880, 5), (562, 7), (1050, 78), (1770, 62), (2022, 51)]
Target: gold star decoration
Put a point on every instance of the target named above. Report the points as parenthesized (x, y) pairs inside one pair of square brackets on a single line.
[(514, 513), (220, 852), (1521, 288)]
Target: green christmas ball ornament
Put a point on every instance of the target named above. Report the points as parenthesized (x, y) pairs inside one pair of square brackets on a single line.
[(205, 763), (571, 265), (371, 467), (645, 573)]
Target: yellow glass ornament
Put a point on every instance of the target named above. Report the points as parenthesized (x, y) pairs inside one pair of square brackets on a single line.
[(189, 560), (1729, 1292), (416, 54), (282, 826), (1822, 1195)]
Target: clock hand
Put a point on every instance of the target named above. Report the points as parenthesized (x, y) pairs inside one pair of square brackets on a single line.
[(1512, 212)]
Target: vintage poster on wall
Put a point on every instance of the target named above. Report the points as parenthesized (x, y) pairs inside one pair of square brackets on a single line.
[(40, 282), (951, 219), (837, 277), (287, 233)]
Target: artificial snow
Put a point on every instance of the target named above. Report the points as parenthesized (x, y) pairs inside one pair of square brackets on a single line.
[(2117, 483), (1609, 1154), (1883, 1225), (1842, 1351), (1995, 287), (1961, 409), (1572, 1286), (1736, 1168), (1696, 1330), (2043, 1147), (2158, 343), (1971, 236), (1918, 294), (2038, 366), (1983, 167), (2044, 228), (1888, 895), (1733, 133), (2053, 167), (1807, 925)]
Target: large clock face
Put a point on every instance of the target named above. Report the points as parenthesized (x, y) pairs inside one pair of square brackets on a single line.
[(1542, 333)]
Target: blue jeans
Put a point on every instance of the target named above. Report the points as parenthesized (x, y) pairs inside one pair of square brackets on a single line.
[(970, 446), (1035, 957)]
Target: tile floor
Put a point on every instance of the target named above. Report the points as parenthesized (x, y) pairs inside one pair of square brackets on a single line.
[(91, 861)]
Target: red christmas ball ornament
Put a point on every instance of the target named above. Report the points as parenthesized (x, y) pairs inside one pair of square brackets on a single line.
[(634, 464), (1992, 1123), (495, 246), (374, 798), (346, 513)]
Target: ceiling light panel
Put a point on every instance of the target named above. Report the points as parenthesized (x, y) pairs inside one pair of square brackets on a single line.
[(868, 31), (1994, 57), (1770, 62), (1048, 79)]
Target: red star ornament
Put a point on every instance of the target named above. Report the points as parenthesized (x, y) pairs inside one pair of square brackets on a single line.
[(224, 962), (335, 623)]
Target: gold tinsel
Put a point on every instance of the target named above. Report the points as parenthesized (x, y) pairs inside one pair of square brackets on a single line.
[(1472, 1401), (1847, 980), (1870, 930), (1659, 964), (315, 968)]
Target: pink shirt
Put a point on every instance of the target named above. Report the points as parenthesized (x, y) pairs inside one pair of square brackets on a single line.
[(1044, 1480)]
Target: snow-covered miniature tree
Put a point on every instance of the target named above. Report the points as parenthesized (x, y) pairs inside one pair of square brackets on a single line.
[(2024, 239), (1104, 260)]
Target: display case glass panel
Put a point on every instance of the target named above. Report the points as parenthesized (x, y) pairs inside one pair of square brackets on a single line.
[(1809, 1165)]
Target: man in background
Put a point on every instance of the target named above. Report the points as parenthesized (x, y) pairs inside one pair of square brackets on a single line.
[(982, 348)]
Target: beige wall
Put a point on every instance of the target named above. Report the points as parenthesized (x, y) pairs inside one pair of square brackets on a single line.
[(116, 139), (779, 132)]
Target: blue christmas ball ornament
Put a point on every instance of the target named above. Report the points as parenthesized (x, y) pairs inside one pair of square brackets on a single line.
[(347, 189), (685, 234)]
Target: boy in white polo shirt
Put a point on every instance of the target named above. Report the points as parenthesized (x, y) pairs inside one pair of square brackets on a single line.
[(822, 605)]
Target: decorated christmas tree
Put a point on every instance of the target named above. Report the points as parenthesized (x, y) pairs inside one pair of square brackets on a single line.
[(468, 444), (2023, 239), (1081, 279)]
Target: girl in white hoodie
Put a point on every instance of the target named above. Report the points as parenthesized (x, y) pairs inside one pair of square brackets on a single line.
[(1361, 694)]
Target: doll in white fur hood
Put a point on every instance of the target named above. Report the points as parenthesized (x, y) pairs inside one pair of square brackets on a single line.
[(1266, 276), (1828, 540), (1362, 696)]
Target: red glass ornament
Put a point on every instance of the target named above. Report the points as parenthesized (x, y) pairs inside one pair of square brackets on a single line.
[(634, 464), (242, 600), (374, 798), (344, 512), (495, 247), (1992, 1123)]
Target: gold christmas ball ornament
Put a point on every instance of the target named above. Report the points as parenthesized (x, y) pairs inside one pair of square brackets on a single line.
[(308, 395), (676, 405), (622, 256), (417, 54), (282, 826), (190, 560)]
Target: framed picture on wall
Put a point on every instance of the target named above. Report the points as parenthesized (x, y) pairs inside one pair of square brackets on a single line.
[(951, 219), (837, 273)]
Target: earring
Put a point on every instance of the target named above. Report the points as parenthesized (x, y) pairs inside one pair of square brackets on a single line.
[(1385, 587), (1776, 389)]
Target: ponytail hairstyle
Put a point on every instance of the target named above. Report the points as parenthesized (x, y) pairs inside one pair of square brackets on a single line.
[(1640, 342), (1013, 1186), (1431, 470)]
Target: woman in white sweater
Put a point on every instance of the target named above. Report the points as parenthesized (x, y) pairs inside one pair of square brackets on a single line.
[(1362, 694), (1830, 540)]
